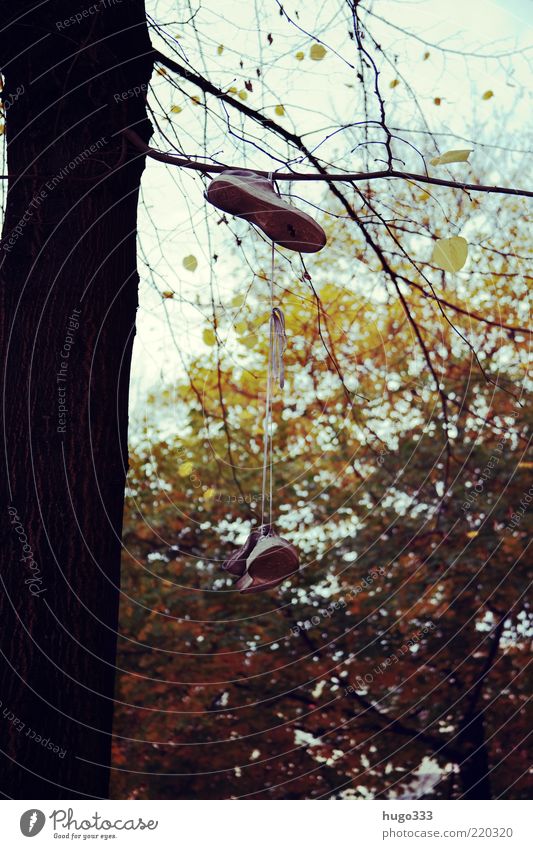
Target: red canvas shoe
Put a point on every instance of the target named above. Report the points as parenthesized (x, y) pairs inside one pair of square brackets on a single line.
[(263, 562), (249, 195)]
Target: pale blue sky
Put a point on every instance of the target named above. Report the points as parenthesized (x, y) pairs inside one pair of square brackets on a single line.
[(316, 95)]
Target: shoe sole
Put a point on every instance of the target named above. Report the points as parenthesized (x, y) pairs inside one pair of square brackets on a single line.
[(270, 574), (269, 214)]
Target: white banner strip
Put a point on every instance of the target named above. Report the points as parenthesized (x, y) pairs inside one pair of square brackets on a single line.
[(283, 824)]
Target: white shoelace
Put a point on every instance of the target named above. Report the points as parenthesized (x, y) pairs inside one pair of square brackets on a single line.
[(277, 343)]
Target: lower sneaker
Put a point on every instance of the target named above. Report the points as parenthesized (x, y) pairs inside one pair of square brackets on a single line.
[(251, 196), (263, 562)]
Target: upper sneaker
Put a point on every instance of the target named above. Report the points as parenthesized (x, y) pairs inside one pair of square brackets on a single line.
[(251, 196)]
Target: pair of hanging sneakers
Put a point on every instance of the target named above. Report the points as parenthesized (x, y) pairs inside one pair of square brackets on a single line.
[(251, 196), (266, 559)]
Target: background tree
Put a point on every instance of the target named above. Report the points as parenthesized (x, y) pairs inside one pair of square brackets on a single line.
[(393, 666)]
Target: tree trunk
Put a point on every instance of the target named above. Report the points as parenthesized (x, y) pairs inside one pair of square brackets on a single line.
[(474, 769), (68, 300)]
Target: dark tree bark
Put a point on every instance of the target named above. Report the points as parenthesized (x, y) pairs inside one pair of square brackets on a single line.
[(68, 300), (474, 770)]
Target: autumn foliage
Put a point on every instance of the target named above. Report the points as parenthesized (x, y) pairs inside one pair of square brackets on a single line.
[(393, 665)]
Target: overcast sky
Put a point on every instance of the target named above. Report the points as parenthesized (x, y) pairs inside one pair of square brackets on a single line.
[(314, 95)]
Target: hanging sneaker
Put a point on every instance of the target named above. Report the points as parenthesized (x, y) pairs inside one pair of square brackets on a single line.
[(251, 196), (263, 562)]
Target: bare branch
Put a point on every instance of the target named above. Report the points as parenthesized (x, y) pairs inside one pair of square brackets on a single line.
[(184, 162)]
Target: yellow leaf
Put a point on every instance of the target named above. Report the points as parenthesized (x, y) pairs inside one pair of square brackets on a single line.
[(168, 294), (472, 534), (196, 100), (176, 109), (279, 110), (237, 301), (185, 469), (317, 52), (293, 322), (260, 319), (525, 464), (451, 156), (162, 72), (220, 49), (394, 83), (232, 90), (209, 337), (243, 94), (190, 263), (209, 494), (2, 129), (248, 341), (300, 55), (437, 101), (450, 254), (488, 94), (329, 292)]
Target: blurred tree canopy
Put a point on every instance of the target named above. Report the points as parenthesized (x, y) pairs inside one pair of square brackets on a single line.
[(392, 665)]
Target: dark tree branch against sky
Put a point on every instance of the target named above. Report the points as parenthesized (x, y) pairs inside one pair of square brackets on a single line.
[(392, 665), (327, 177)]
